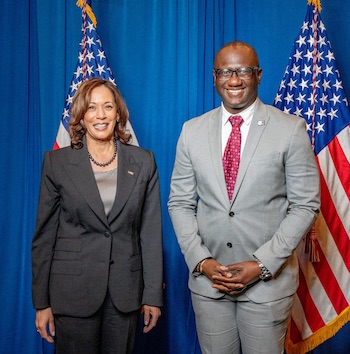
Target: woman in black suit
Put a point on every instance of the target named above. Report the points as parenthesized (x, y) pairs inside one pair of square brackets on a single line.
[(97, 247)]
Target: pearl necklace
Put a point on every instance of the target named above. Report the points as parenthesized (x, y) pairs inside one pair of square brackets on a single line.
[(109, 161)]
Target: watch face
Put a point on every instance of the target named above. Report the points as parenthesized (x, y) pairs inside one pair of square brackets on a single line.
[(265, 276)]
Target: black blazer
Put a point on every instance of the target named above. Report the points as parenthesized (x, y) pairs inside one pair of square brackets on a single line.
[(77, 252)]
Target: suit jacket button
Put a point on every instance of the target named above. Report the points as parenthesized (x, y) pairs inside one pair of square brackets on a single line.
[(231, 213), (111, 262), (229, 244), (107, 234)]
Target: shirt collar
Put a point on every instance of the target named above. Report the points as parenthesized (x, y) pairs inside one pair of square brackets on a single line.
[(247, 114)]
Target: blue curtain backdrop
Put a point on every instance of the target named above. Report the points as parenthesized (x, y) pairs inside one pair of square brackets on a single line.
[(161, 53)]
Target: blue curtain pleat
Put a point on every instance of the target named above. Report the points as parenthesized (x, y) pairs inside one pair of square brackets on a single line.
[(161, 54), (20, 157)]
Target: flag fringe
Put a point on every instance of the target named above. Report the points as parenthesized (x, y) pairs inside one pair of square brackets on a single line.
[(316, 3), (319, 336), (89, 11)]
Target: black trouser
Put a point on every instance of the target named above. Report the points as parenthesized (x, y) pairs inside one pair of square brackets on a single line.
[(108, 331)]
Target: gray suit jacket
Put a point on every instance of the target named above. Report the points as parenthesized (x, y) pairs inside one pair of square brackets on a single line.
[(77, 252), (275, 201)]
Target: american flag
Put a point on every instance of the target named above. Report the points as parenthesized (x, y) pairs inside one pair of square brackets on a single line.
[(311, 88), (92, 62)]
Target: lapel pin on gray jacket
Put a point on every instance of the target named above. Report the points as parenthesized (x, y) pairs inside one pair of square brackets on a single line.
[(131, 173), (261, 122)]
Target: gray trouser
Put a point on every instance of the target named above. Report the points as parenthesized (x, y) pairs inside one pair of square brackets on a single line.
[(228, 326)]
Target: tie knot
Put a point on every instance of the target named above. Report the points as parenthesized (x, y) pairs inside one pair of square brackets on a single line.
[(236, 121)]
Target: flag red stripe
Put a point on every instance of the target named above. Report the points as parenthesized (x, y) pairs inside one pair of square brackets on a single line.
[(312, 314), (341, 164), (334, 223), (294, 333), (330, 283)]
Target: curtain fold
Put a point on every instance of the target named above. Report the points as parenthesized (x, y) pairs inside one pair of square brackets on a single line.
[(20, 169), (161, 53)]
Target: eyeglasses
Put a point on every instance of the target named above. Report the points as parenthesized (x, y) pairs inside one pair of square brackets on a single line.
[(242, 73)]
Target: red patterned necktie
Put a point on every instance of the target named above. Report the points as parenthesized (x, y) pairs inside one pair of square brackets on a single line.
[(232, 154)]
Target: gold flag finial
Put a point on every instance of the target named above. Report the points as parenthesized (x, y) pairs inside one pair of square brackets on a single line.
[(316, 3), (89, 11)]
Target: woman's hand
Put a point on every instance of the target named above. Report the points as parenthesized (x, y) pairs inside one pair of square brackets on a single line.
[(150, 317), (43, 319)]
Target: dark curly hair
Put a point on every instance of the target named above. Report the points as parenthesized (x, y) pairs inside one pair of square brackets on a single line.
[(80, 105)]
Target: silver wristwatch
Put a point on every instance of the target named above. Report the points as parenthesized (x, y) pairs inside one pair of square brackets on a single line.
[(265, 273)]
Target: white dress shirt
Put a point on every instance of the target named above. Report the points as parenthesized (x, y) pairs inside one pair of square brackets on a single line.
[(247, 116)]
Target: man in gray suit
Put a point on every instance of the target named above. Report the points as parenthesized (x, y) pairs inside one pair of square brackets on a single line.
[(239, 248)]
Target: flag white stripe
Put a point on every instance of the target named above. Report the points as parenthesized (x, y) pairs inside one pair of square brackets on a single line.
[(344, 140), (298, 312), (334, 258), (62, 138), (336, 188), (129, 128)]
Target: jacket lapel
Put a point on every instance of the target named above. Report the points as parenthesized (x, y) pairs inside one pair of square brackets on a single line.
[(80, 171), (214, 137), (128, 173), (257, 128)]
